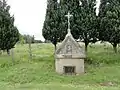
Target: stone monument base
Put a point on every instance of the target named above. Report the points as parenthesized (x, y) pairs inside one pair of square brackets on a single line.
[(69, 66)]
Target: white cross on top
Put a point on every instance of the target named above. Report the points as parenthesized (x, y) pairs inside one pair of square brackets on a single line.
[(68, 15)]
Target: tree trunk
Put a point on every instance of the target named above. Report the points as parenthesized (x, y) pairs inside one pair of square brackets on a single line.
[(0, 52), (115, 47), (86, 45), (86, 49), (55, 47), (8, 52), (54, 42)]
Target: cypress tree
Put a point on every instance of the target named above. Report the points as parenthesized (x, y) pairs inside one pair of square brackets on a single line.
[(9, 34), (51, 26), (110, 22), (83, 23), (87, 22)]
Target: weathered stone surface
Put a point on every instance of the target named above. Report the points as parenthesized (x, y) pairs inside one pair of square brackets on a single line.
[(69, 53)]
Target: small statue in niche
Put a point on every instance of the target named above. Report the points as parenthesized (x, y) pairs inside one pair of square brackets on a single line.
[(68, 49)]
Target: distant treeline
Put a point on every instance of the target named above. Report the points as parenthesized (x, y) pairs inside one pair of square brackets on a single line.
[(24, 39)]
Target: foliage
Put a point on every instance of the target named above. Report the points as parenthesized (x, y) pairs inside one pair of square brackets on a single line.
[(38, 41), (28, 38), (72, 7), (110, 22), (51, 29), (24, 39), (21, 39), (9, 34), (87, 22), (83, 23)]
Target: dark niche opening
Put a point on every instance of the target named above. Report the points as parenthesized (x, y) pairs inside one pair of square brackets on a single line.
[(69, 70)]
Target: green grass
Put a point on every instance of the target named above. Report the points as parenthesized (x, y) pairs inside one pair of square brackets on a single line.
[(39, 73)]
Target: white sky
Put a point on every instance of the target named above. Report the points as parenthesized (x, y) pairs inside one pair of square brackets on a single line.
[(29, 16)]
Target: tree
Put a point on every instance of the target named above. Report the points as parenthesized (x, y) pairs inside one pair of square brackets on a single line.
[(110, 22), (72, 7), (86, 22), (33, 39), (21, 39), (83, 23), (56, 25), (9, 34), (27, 37), (51, 30)]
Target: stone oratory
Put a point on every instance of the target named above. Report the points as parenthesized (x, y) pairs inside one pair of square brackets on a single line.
[(69, 56)]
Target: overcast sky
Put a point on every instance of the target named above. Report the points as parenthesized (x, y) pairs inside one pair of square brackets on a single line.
[(29, 16)]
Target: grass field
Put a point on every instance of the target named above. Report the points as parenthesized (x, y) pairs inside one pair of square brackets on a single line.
[(102, 70)]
